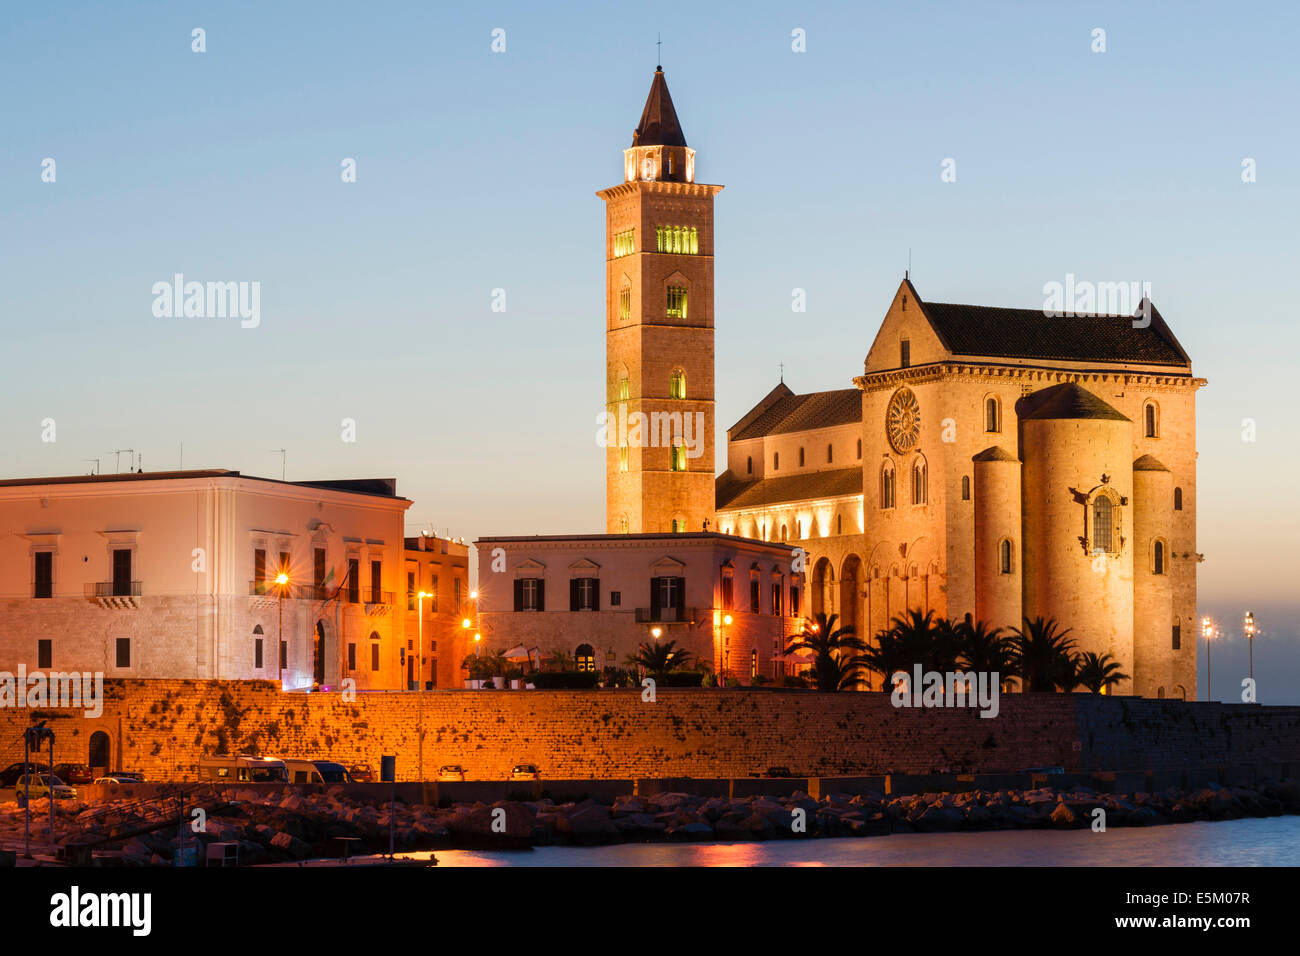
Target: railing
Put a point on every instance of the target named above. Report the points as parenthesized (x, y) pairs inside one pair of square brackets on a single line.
[(103, 589), (375, 596)]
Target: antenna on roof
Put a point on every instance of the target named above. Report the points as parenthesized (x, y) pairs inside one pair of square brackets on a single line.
[(283, 458), (95, 470), (182, 465), (117, 461)]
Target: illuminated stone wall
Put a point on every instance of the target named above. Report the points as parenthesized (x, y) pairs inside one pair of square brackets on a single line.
[(161, 728)]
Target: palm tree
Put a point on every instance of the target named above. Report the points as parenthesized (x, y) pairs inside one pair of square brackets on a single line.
[(837, 661), (911, 639), (985, 651), (1043, 655), (1098, 672), (660, 659), (562, 659)]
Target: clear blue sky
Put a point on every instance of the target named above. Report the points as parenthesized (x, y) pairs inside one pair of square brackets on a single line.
[(478, 171)]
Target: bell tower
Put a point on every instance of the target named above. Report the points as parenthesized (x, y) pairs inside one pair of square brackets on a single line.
[(659, 467)]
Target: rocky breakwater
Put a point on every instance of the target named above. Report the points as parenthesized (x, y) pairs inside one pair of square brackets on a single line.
[(297, 827)]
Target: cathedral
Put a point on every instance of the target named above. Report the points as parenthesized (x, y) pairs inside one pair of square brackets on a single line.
[(998, 462)]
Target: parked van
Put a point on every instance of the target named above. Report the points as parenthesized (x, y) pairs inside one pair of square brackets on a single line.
[(243, 769), (316, 771)]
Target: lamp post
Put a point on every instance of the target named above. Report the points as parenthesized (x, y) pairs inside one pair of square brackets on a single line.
[(1207, 632), (281, 580), (1250, 638)]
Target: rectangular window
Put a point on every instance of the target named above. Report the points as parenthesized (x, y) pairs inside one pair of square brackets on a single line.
[(904, 353), (677, 457), (352, 656), (794, 600), (625, 305), (259, 567), (376, 580), (44, 653), (776, 598), (678, 240), (284, 655), (121, 572), (257, 653), (354, 580), (584, 594), (458, 589), (753, 596), (1178, 637), (44, 583), (667, 598), (410, 590), (624, 243), (124, 652), (433, 595), (530, 594), (624, 454), (284, 563), (677, 302), (615, 598), (318, 571), (374, 657), (728, 591)]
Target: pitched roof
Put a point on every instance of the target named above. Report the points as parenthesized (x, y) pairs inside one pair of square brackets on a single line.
[(797, 413), (1070, 401), (659, 125), (1029, 333), (731, 492)]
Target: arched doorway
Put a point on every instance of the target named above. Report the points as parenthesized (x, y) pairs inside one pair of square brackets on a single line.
[(318, 671), (823, 583), (584, 657), (100, 753), (851, 594)]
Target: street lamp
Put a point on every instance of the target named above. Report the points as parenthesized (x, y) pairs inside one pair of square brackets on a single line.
[(1250, 637), (655, 632), (1207, 632), (419, 678), (281, 581)]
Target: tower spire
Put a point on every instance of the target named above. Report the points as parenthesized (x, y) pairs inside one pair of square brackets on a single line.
[(659, 125)]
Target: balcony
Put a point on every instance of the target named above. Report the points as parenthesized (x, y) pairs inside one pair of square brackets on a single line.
[(114, 594), (669, 615), (378, 603)]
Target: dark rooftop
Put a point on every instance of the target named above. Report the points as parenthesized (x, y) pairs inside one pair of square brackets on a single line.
[(659, 125), (732, 492), (1029, 333), (796, 413), (385, 487)]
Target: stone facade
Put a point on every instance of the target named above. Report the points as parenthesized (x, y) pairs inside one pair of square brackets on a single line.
[(161, 728), (709, 610), (1012, 451), (172, 575)]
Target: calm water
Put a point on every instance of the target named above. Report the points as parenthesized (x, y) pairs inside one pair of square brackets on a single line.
[(1273, 841)]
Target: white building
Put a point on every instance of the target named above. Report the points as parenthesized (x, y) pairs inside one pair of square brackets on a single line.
[(173, 575)]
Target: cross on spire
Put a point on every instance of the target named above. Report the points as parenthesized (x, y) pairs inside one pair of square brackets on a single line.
[(659, 47), (782, 367)]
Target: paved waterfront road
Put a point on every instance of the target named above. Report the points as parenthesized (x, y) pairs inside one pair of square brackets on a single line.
[(1274, 841)]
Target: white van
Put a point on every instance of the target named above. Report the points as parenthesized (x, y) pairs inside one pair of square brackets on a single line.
[(316, 771), (243, 769)]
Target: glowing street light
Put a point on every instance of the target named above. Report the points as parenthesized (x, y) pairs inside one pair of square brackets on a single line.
[(282, 582), (1207, 632), (655, 632), (1250, 637)]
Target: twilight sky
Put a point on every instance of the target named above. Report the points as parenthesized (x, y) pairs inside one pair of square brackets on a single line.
[(477, 171)]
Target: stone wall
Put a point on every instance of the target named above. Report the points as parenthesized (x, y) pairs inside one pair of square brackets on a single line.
[(161, 728)]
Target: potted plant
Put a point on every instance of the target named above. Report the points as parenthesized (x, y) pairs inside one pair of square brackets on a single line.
[(479, 668), (515, 675)]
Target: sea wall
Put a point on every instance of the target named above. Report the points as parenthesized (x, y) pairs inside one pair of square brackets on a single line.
[(161, 728)]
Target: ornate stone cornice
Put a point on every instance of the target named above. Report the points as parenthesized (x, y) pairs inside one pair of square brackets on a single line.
[(697, 190), (1043, 376)]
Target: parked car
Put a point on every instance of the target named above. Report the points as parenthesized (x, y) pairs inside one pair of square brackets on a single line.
[(316, 771), (525, 771), (9, 776), (243, 769), (34, 786), (73, 773), (362, 774), (116, 778), (134, 774), (1043, 770), (451, 771)]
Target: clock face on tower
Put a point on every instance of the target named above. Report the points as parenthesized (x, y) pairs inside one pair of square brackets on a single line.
[(903, 421)]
